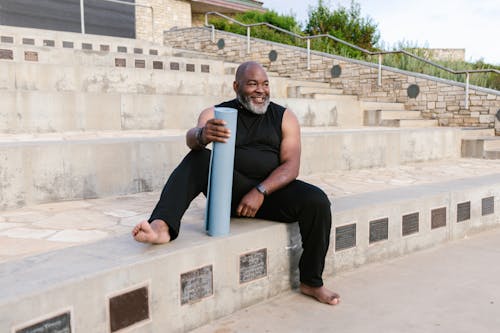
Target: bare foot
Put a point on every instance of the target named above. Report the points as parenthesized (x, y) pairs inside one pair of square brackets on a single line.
[(322, 294), (154, 233)]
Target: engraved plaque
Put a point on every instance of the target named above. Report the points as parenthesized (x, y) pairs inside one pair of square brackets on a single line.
[(488, 206), (463, 211), (273, 55), (345, 237), (140, 63), (28, 41), (153, 52), (205, 68), (30, 56), (121, 49), (57, 324), (379, 230), (196, 285), (189, 67), (410, 223), (7, 39), (137, 50), (6, 54), (438, 218), (104, 48), (86, 46), (253, 265), (49, 42), (221, 44), (413, 90), (336, 71), (120, 62), (174, 66), (157, 65), (68, 45), (128, 308)]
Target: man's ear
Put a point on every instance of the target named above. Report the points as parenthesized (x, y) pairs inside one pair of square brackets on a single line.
[(235, 86)]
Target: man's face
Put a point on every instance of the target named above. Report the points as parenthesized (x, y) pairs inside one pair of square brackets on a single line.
[(253, 90)]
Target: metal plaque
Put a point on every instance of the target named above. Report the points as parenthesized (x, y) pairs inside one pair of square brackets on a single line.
[(463, 211), (488, 206), (7, 39), (174, 66), (379, 230), (137, 50), (190, 67), (205, 68), (104, 48), (157, 65), (86, 46), (57, 324), (49, 42), (30, 56), (120, 62), (345, 237), (128, 308), (68, 45), (273, 55), (498, 115), (253, 265), (28, 41), (196, 285), (121, 49), (438, 218), (6, 54), (221, 44), (413, 90), (153, 52), (410, 224), (140, 63), (336, 71)]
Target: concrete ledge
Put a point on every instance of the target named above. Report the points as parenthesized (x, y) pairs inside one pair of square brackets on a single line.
[(81, 280)]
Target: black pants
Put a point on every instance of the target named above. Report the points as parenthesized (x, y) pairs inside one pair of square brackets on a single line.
[(298, 201)]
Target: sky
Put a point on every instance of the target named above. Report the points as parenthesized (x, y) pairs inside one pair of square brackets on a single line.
[(473, 25)]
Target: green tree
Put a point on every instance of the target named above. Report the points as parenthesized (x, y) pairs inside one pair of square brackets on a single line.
[(343, 23)]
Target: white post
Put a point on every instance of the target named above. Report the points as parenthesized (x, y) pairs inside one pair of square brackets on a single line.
[(82, 16), (379, 81), (248, 40), (308, 54), (467, 90)]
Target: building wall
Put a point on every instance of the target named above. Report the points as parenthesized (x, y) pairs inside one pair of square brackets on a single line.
[(167, 15), (438, 99)]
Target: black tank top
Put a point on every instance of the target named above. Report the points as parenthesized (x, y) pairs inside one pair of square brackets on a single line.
[(258, 140)]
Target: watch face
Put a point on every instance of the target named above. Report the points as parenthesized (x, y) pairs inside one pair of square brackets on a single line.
[(261, 189)]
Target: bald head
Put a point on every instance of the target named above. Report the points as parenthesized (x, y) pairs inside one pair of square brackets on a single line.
[(246, 66)]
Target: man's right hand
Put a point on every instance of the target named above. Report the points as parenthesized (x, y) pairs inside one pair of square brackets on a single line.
[(215, 130)]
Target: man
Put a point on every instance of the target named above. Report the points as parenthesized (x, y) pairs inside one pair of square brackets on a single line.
[(266, 164)]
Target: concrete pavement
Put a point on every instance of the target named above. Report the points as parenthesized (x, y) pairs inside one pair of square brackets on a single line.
[(448, 288)]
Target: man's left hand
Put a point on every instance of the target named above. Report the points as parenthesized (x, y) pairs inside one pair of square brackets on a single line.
[(250, 204)]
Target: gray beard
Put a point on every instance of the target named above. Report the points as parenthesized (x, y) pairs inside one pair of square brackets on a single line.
[(247, 103)]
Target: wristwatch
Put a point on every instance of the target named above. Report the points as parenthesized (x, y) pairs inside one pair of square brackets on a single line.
[(261, 189)]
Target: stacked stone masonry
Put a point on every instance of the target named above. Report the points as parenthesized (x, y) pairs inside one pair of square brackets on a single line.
[(438, 99)]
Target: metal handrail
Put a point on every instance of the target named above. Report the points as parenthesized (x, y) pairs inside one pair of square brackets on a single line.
[(82, 14), (467, 72)]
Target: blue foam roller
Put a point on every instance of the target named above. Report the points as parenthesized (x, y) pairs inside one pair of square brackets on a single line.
[(220, 179)]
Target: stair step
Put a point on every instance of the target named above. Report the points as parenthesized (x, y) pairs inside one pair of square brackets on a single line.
[(305, 91), (481, 147), (418, 123), (476, 132), (493, 154), (382, 106)]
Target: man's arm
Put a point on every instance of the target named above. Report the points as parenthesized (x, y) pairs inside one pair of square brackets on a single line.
[(282, 175), (207, 130)]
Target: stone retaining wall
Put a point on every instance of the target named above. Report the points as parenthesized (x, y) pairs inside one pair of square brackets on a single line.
[(439, 99)]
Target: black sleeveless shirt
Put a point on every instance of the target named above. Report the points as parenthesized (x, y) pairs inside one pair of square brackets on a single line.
[(258, 140)]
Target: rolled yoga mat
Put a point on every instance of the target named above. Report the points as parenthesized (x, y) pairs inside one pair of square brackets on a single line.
[(220, 178)]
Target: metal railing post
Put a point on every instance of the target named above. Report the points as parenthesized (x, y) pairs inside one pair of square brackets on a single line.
[(82, 16), (379, 79), (308, 54), (467, 90), (248, 40)]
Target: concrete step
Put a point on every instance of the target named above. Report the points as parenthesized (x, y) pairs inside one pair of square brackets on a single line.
[(481, 147), (35, 111), (310, 91), (416, 123), (197, 279), (387, 117), (476, 132), (41, 168), (492, 154), (382, 106), (332, 96)]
